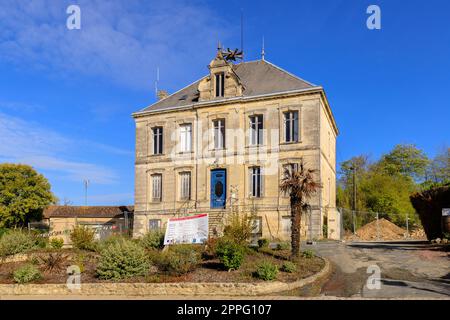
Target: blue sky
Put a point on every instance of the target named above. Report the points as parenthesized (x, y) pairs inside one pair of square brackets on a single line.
[(66, 96)]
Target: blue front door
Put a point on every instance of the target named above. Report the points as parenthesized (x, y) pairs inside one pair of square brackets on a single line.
[(218, 188)]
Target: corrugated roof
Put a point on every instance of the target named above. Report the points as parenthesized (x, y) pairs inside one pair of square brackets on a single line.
[(86, 211), (258, 78)]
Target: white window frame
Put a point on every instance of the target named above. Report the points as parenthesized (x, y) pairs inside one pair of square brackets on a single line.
[(256, 182), (156, 187), (291, 118), (158, 144), (158, 221), (256, 130), (219, 133), (185, 185), (186, 137)]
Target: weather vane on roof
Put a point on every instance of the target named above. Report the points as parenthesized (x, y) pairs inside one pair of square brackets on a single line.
[(232, 55)]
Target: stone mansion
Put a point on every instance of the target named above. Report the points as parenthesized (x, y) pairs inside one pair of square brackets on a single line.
[(225, 141)]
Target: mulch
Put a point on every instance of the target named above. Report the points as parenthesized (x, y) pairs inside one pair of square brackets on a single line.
[(208, 271)]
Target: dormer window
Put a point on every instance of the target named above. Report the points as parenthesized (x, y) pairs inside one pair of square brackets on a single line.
[(220, 84)]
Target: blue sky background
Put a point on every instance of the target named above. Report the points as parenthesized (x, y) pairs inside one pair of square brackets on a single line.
[(66, 96)]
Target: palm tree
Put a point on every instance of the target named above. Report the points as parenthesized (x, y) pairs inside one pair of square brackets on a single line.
[(301, 186)]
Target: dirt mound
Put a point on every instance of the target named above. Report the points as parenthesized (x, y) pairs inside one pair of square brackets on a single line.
[(381, 230)]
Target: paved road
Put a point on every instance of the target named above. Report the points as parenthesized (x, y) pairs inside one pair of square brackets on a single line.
[(408, 270)]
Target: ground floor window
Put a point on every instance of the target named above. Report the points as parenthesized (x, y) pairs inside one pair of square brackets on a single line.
[(286, 223), (154, 224)]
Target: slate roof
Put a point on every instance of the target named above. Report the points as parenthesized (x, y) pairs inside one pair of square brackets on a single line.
[(86, 211), (258, 78)]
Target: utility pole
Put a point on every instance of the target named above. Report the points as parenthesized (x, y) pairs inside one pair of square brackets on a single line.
[(86, 184), (354, 197)]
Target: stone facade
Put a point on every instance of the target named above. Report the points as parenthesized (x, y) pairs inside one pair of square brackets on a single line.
[(315, 146)]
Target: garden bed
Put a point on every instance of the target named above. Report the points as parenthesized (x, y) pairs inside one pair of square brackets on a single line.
[(207, 271)]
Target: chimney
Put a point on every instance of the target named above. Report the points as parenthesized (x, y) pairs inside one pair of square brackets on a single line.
[(162, 94)]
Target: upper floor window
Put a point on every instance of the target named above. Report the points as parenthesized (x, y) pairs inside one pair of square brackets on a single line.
[(291, 126), (255, 182), (219, 133), (156, 187), (220, 84), (157, 140), (185, 185), (185, 137), (256, 130)]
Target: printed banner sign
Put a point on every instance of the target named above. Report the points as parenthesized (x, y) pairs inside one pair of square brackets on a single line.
[(192, 230)]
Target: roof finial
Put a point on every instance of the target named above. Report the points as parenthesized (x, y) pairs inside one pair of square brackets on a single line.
[(263, 51), (219, 46)]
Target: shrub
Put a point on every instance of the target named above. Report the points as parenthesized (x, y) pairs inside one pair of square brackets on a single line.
[(122, 259), (239, 227), (56, 243), (230, 253), (80, 260), (266, 271), (308, 254), (178, 260), (289, 267), (262, 243), (26, 274), (209, 251), (283, 246), (16, 241), (52, 261), (83, 238), (153, 240)]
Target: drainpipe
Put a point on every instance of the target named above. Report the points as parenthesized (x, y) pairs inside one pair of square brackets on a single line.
[(196, 160)]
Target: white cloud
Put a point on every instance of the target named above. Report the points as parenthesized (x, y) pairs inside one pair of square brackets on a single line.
[(27, 142), (122, 41)]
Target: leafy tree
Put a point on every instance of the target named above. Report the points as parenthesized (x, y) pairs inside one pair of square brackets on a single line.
[(24, 194), (439, 169), (389, 196), (407, 160), (301, 186)]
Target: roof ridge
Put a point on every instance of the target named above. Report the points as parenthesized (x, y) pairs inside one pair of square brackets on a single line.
[(289, 73)]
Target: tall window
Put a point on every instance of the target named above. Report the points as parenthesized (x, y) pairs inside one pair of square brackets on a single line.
[(156, 187), (256, 130), (157, 140), (220, 84), (154, 224), (185, 137), (255, 182), (291, 126), (290, 167), (185, 187), (219, 134)]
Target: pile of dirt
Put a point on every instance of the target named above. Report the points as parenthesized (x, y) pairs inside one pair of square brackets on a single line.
[(381, 230), (418, 234)]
